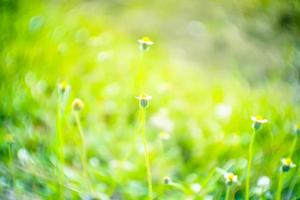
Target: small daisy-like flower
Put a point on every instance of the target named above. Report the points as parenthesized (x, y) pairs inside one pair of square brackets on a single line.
[(263, 185), (230, 178), (24, 156), (144, 100), (167, 180), (196, 187), (145, 43), (287, 164), (63, 87), (258, 120), (77, 104)]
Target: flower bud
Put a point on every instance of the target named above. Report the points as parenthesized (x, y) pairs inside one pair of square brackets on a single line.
[(77, 104), (167, 180), (145, 43), (144, 100), (63, 87)]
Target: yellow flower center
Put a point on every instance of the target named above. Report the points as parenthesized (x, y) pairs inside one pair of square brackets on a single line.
[(288, 161), (230, 177), (146, 39), (259, 117)]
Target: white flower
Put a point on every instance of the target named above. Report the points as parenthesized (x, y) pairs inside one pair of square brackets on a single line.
[(145, 43), (230, 178), (259, 119), (208, 197), (223, 111), (264, 181), (263, 185), (196, 187), (162, 121), (63, 87), (288, 162), (24, 156)]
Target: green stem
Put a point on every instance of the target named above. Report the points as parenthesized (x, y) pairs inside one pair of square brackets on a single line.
[(210, 175), (60, 149), (278, 193), (140, 72), (83, 148), (227, 193), (11, 163), (294, 180), (249, 165), (293, 184), (179, 187), (293, 146), (147, 159)]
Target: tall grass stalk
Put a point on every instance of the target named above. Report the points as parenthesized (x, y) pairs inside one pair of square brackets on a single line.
[(146, 151), (250, 155), (11, 163), (179, 187), (227, 193), (83, 156), (293, 146), (60, 151), (294, 180), (279, 187)]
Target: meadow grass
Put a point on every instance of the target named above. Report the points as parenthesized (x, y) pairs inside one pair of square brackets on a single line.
[(196, 130)]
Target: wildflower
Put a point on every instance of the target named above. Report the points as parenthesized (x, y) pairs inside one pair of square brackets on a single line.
[(223, 111), (263, 185), (145, 43), (77, 104), (24, 156), (196, 187), (287, 164), (162, 121), (167, 180), (63, 87), (144, 100), (230, 178), (258, 120)]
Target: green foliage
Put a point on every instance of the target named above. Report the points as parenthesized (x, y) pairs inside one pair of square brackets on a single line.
[(212, 66)]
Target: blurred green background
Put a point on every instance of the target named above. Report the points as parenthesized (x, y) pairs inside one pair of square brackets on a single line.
[(212, 66)]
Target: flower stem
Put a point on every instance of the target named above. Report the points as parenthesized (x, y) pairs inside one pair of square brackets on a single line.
[(227, 193), (60, 148), (249, 165), (83, 148), (294, 180), (293, 146), (179, 187), (140, 72), (147, 158), (278, 193), (11, 163)]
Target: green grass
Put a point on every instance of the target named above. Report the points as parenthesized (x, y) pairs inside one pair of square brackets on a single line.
[(203, 102)]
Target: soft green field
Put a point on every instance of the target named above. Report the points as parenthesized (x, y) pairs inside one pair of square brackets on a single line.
[(212, 66)]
